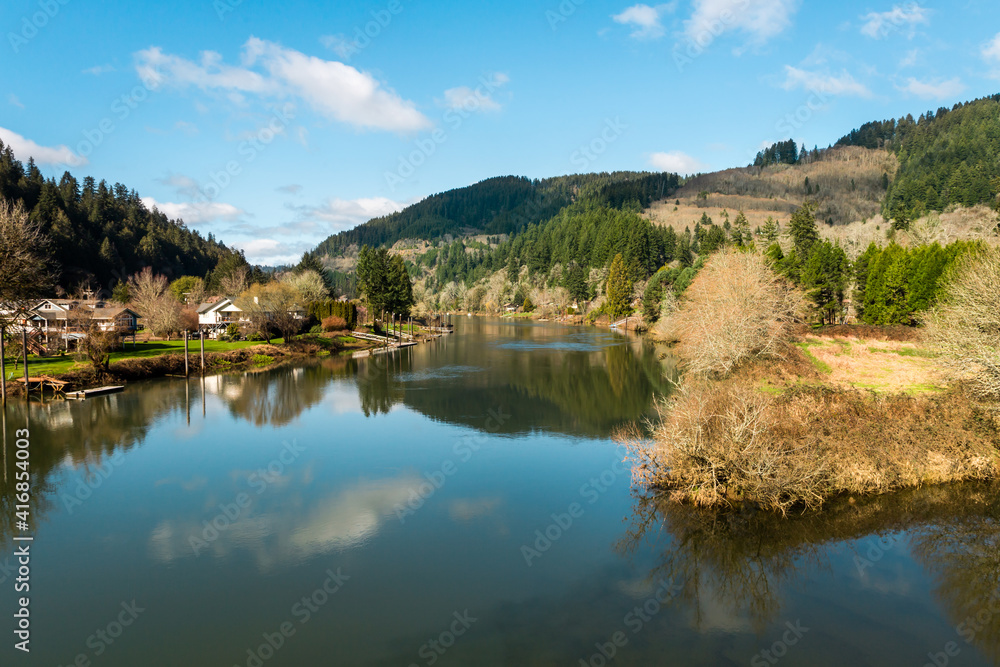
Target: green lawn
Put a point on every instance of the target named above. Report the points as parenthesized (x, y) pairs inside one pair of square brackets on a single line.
[(56, 365)]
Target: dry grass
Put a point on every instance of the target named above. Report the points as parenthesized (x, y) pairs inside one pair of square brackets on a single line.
[(884, 366), (849, 182), (724, 443)]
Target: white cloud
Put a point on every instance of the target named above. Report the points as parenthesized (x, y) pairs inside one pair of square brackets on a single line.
[(676, 162), (467, 99), (15, 101), (827, 84), (759, 20), (97, 70), (910, 59), (195, 213), (991, 52), (272, 252), (645, 20), (333, 89), (342, 46), (938, 90), (341, 214), (25, 148), (187, 128), (882, 24)]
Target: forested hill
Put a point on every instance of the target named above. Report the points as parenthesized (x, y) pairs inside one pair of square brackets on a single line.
[(496, 206), (945, 157), (101, 233)]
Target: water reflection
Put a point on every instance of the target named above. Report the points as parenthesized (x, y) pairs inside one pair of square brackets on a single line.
[(746, 562), (286, 528)]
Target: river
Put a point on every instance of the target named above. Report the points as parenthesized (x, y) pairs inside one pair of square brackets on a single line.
[(461, 502)]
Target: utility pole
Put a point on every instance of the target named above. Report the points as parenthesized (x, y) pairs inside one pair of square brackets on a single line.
[(24, 354), (3, 369)]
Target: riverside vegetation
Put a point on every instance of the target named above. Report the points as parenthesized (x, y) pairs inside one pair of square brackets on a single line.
[(756, 419)]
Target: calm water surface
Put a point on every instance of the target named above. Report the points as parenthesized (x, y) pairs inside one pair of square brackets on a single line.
[(458, 503)]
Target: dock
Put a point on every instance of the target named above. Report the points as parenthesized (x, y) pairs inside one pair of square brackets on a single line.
[(90, 393), (40, 382)]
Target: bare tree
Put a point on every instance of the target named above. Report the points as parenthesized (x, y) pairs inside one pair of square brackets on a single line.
[(151, 297), (308, 284), (272, 307), (236, 282), (737, 308), (25, 273), (965, 326)]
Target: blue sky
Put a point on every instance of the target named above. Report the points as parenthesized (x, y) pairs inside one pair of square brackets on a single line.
[(274, 126)]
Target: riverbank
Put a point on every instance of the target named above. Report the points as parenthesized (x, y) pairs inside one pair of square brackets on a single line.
[(165, 358), (834, 413)]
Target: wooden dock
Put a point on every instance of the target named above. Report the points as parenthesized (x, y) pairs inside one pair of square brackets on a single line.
[(40, 382), (90, 393)]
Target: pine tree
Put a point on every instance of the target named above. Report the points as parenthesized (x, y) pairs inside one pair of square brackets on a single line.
[(802, 228), (619, 289), (771, 231)]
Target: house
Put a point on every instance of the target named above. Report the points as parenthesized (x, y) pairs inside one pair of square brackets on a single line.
[(60, 321), (215, 315)]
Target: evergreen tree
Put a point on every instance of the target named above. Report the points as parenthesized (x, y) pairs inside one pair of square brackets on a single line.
[(619, 289), (802, 228), (771, 231)]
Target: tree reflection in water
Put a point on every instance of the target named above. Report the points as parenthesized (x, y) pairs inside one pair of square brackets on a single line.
[(745, 560)]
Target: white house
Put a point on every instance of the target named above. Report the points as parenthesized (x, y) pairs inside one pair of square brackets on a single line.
[(216, 316)]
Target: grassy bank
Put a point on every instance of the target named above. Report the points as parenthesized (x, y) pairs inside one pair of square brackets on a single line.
[(786, 434), (162, 358), (787, 418), (60, 365)]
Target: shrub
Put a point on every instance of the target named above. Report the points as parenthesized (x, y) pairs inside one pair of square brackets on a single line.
[(966, 324), (316, 329), (334, 323), (261, 360), (723, 443), (736, 308)]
